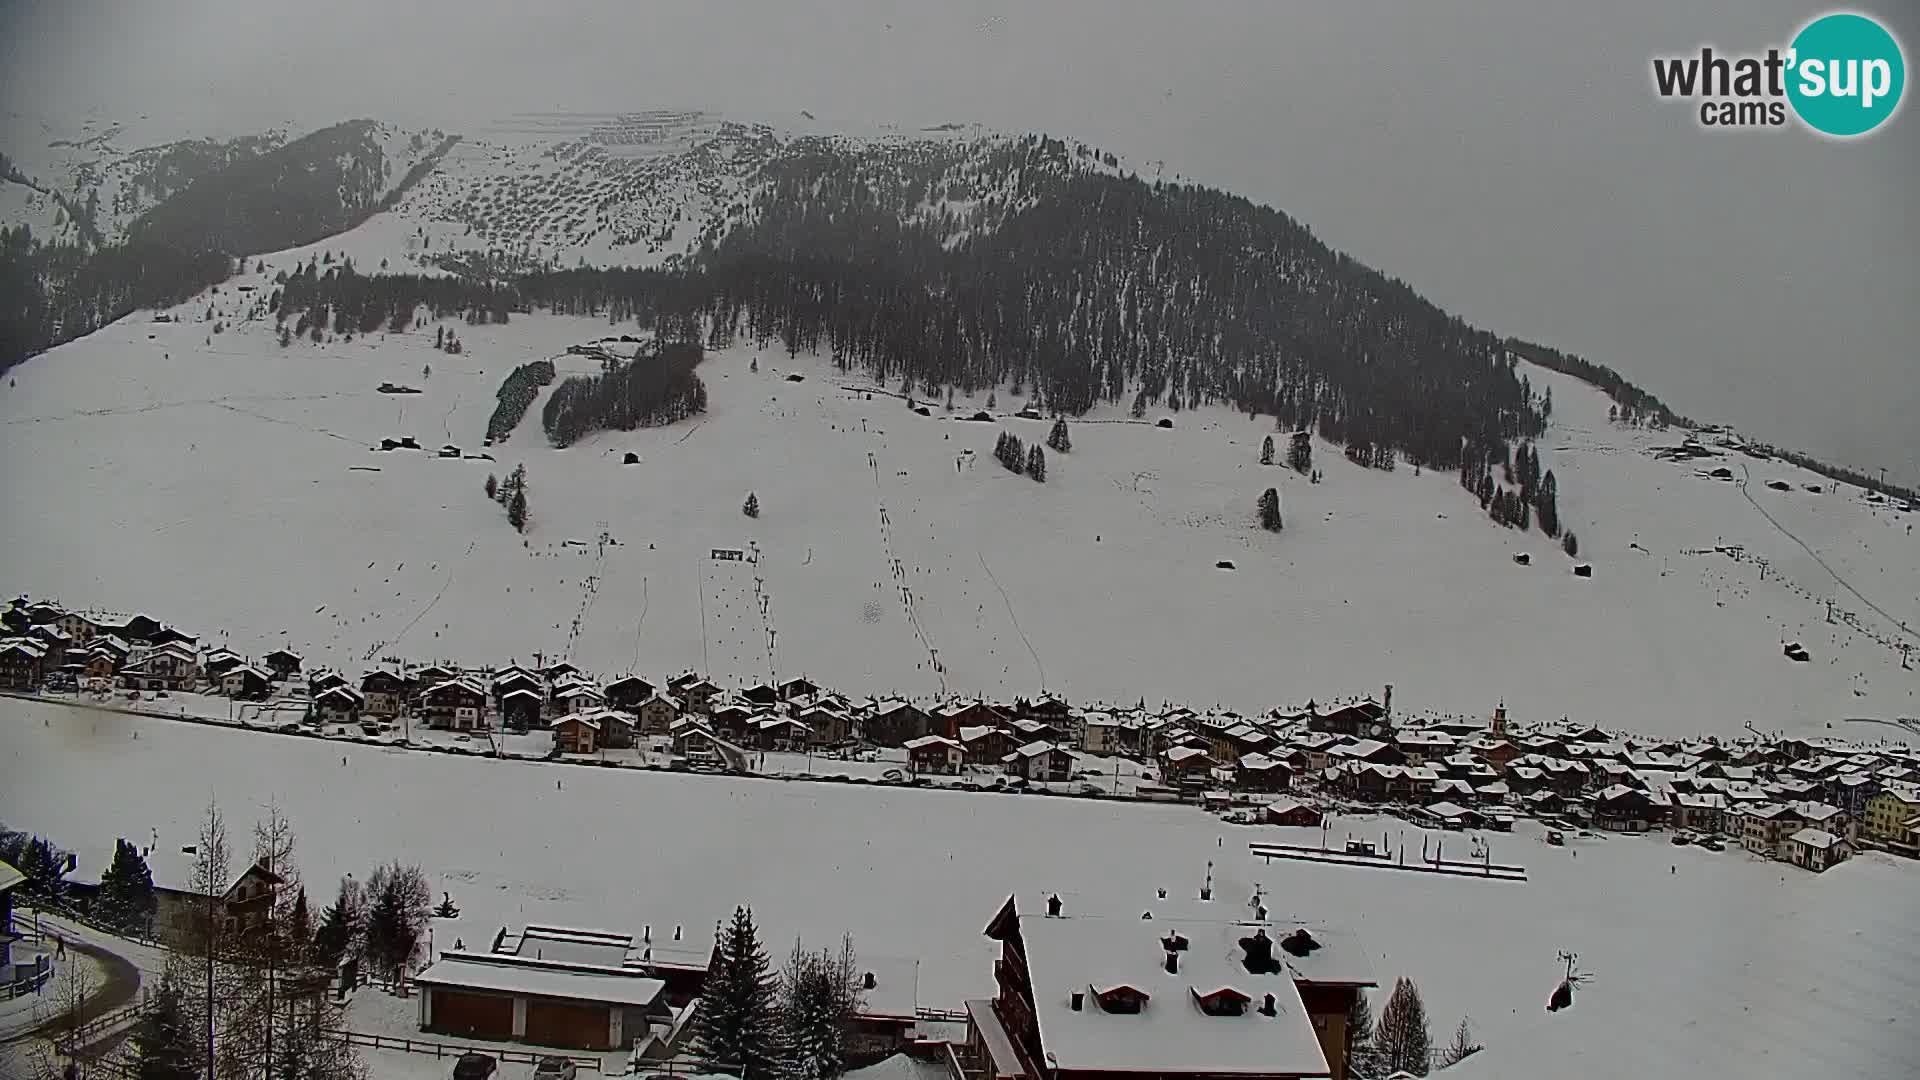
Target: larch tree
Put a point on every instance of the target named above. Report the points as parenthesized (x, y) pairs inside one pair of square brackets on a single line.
[(1462, 1047), (399, 902), (820, 994), (1363, 1063), (1401, 1038)]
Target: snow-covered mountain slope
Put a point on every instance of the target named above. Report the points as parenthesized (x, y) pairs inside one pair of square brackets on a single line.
[(225, 483), (106, 182), (556, 191)]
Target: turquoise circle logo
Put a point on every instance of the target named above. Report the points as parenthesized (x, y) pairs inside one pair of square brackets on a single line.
[(1847, 75)]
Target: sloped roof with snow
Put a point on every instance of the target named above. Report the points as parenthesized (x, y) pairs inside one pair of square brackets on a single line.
[(1170, 1033), (1815, 838), (925, 741), (462, 971)]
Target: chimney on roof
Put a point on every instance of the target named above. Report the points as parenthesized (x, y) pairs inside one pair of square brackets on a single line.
[(1267, 1007), (676, 931), (646, 933), (1386, 702), (1079, 999), (1260, 912), (1300, 943), (1173, 962), (1257, 953), (867, 981), (1053, 906)]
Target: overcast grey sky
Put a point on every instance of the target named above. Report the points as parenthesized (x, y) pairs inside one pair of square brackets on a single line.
[(1507, 158)]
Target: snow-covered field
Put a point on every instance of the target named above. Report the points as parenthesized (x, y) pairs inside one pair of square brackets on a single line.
[(1723, 967), (226, 484)]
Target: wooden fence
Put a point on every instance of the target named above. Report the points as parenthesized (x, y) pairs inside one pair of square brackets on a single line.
[(452, 1050)]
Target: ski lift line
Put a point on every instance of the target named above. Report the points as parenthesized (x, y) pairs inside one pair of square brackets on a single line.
[(1746, 476)]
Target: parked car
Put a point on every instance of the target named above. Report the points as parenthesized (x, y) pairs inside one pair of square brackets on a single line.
[(1555, 839), (1681, 838), (554, 1067), (475, 1067)]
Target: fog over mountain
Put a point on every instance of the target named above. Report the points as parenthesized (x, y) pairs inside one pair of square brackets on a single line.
[(1512, 164)]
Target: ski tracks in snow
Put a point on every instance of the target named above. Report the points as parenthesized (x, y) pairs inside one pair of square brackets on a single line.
[(1015, 619), (381, 647)]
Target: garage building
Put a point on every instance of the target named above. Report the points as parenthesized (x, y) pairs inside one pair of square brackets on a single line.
[(546, 1002)]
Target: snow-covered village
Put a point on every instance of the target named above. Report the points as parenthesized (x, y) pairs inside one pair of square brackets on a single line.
[(947, 542)]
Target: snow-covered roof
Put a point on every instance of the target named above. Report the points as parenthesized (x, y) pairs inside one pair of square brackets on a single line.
[(925, 741), (1184, 753), (496, 974), (1169, 1033), (1815, 838), (9, 877), (567, 945)]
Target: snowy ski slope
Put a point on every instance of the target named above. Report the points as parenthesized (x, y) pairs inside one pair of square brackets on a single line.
[(224, 483), (1724, 968)]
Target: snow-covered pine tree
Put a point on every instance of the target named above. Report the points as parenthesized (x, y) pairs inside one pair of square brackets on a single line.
[(163, 1042), (1266, 451), (738, 1027), (126, 897), (1572, 545), (1037, 464), (1401, 1038), (517, 509), (334, 940), (1300, 452), (1058, 440), (1270, 510), (751, 507), (492, 486)]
